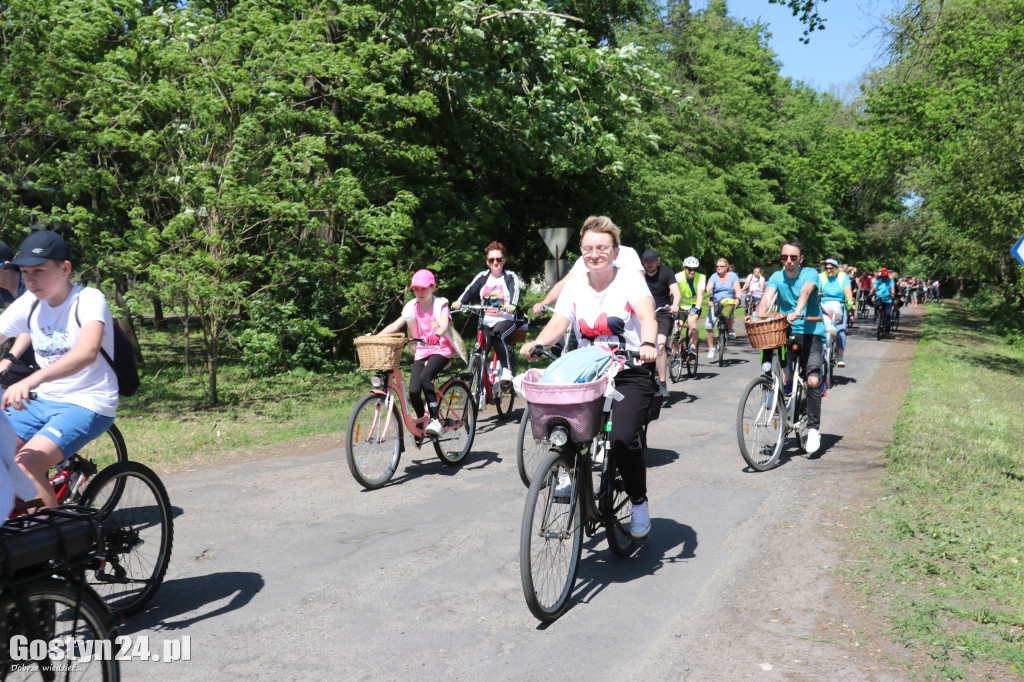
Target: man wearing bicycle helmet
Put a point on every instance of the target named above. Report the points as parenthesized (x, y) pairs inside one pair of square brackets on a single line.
[(796, 288), (691, 296), (884, 291)]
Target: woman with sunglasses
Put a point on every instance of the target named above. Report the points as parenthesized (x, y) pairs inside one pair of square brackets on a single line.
[(498, 290), (722, 285), (837, 300)]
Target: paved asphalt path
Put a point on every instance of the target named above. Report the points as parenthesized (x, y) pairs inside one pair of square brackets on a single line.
[(286, 569)]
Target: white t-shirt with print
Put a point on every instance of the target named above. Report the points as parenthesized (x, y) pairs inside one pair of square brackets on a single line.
[(605, 318), (55, 332), (495, 295)]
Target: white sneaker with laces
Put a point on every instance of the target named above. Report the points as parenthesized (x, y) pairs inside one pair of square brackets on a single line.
[(640, 521), (711, 353), (433, 428), (813, 441)]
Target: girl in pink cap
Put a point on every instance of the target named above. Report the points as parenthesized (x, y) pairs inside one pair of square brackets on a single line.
[(429, 319)]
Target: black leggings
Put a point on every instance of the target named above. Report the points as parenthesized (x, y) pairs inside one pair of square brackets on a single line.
[(498, 335), (628, 416), (421, 378)]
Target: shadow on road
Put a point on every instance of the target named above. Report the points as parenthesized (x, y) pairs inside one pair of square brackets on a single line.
[(429, 465), (668, 543), (657, 457), (178, 597)]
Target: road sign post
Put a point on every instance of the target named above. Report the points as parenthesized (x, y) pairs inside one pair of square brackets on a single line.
[(556, 239)]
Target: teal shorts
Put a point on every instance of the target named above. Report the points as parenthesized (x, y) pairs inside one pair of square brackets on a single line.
[(67, 425)]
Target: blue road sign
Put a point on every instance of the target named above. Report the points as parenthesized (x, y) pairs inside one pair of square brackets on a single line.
[(1018, 250)]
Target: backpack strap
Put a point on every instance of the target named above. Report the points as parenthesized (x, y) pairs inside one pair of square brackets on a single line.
[(105, 356)]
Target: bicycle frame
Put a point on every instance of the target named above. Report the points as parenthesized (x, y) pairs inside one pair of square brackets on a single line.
[(393, 386), (70, 478), (480, 351)]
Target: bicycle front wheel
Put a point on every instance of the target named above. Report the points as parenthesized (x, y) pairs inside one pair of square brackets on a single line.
[(373, 441), (139, 534), (58, 614), (458, 419), (504, 395), (720, 347), (760, 424), (476, 380), (529, 450), (691, 362), (895, 318), (551, 540), (676, 366)]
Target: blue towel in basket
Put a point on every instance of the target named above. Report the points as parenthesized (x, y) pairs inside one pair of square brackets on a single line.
[(579, 366)]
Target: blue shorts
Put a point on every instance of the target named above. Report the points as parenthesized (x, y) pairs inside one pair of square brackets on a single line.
[(67, 425)]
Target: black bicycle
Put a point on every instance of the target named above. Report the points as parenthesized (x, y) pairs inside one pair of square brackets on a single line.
[(46, 597), (576, 489), (723, 310)]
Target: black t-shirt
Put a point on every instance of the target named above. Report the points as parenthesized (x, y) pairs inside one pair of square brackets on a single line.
[(659, 283)]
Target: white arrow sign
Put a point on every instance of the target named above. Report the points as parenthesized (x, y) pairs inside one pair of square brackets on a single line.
[(556, 239), (1018, 250)]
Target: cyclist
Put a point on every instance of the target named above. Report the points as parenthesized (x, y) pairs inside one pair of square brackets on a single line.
[(498, 290), (883, 291), (837, 300), (611, 307), (76, 388), (428, 319), (722, 285), (691, 297), (864, 283), (797, 290), (753, 288), (661, 281)]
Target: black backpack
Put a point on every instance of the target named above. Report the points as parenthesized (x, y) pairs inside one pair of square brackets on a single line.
[(124, 367)]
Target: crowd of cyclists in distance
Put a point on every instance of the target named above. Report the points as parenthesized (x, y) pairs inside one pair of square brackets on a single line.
[(619, 300)]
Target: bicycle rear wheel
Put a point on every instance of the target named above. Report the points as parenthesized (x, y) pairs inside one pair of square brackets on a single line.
[(455, 409), (138, 531), (529, 450), (617, 512), (504, 396), (102, 452), (760, 424), (373, 441), (551, 540), (57, 614)]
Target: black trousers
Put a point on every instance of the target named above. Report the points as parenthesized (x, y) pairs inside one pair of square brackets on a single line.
[(497, 336), (421, 379), (628, 416)]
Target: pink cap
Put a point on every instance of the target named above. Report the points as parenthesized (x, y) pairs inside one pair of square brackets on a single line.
[(422, 278)]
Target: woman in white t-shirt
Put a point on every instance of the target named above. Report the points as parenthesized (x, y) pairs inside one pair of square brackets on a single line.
[(76, 388), (612, 307)]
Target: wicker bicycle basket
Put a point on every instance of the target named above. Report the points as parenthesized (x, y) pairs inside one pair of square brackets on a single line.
[(381, 352), (766, 333)]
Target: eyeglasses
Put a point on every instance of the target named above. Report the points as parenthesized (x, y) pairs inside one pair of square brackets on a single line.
[(830, 267), (790, 256), (495, 260), (689, 269), (599, 249)]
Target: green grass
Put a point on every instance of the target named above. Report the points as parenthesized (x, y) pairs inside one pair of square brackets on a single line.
[(169, 425), (947, 540)]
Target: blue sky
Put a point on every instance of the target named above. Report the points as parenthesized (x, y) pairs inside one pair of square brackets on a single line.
[(836, 56)]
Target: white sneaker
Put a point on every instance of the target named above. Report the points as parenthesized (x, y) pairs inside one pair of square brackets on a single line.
[(640, 521), (840, 364), (564, 487), (433, 428), (506, 375), (813, 441), (732, 336), (711, 353)]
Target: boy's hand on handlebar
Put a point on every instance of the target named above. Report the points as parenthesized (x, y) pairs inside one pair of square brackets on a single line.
[(18, 394)]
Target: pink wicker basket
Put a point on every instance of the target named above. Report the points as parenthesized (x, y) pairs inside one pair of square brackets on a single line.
[(577, 406)]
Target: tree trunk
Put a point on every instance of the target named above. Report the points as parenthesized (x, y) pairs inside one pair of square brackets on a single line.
[(158, 315), (125, 323), (186, 321)]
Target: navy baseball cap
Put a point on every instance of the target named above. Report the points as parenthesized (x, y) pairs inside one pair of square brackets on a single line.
[(650, 254), (40, 247)]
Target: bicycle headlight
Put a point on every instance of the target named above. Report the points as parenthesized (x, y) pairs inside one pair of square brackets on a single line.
[(377, 381), (559, 436)]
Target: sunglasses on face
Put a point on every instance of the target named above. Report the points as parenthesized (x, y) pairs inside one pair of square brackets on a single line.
[(789, 256), (495, 260)]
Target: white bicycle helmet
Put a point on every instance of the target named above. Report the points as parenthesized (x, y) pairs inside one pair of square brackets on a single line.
[(691, 262)]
